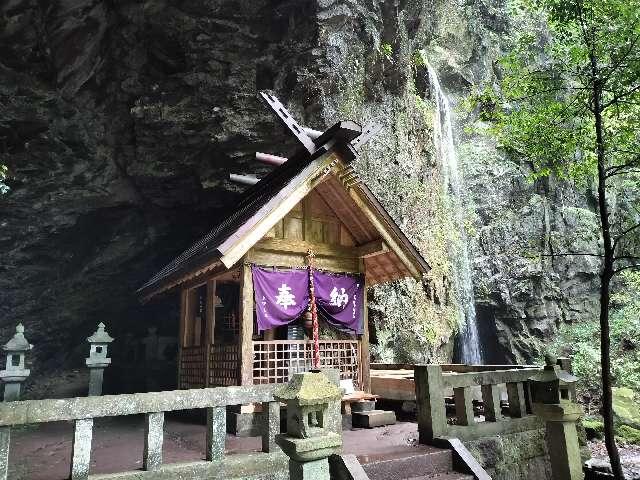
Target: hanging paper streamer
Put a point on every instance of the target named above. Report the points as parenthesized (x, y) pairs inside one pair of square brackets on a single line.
[(340, 297), (281, 296)]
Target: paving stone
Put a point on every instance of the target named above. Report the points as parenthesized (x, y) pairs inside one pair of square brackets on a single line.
[(373, 418)]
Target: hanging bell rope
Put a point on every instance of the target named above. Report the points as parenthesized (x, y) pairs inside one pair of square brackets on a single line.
[(313, 310)]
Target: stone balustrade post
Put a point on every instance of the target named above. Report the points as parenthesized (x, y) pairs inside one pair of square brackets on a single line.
[(98, 360), (432, 418), (15, 372), (310, 438)]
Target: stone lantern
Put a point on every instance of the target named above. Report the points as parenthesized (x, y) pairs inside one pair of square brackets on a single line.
[(309, 439), (553, 385), (15, 372), (98, 359), (552, 400)]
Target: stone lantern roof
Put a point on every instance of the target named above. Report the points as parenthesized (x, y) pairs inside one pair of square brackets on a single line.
[(553, 373), (100, 336), (312, 388), (18, 343)]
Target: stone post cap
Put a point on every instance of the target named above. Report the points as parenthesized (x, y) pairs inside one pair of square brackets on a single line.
[(100, 335), (18, 343), (309, 388), (565, 412)]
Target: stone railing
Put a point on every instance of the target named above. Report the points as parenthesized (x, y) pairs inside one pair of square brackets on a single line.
[(435, 382), (83, 411)]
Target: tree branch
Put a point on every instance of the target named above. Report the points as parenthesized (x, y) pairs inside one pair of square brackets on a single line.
[(567, 254), (626, 267), (620, 96), (624, 233)]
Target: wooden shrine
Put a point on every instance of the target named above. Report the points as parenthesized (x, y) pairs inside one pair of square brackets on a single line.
[(310, 201)]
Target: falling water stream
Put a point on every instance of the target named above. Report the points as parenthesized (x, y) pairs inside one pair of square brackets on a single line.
[(470, 350)]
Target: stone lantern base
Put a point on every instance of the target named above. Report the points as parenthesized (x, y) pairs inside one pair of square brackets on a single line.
[(308, 457)]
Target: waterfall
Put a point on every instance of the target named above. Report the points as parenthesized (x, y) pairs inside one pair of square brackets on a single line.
[(469, 339)]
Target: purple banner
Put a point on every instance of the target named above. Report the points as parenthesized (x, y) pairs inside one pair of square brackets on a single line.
[(281, 296), (340, 297)]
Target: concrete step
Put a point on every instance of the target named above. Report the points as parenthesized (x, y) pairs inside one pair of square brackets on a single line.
[(401, 466), (372, 418)]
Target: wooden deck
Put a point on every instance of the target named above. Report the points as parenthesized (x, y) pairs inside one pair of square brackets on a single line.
[(393, 383)]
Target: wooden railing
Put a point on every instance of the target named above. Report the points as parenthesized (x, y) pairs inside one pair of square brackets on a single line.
[(275, 361), (433, 384), (83, 411), (192, 367)]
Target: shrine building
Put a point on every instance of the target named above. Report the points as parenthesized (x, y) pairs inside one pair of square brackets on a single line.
[(308, 235)]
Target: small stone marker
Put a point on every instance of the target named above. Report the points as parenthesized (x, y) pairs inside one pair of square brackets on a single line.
[(98, 360), (15, 372), (309, 439), (552, 400)]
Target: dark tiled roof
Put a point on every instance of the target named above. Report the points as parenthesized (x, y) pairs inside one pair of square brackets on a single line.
[(253, 199), (206, 250)]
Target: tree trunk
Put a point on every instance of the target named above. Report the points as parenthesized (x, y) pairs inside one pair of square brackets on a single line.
[(605, 279)]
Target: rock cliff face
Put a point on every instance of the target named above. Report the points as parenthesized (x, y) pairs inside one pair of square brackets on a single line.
[(120, 122)]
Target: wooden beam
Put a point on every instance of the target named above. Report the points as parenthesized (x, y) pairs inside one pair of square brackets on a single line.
[(301, 247), (289, 259), (365, 356), (243, 179), (184, 302), (246, 327), (371, 249), (209, 327), (270, 159), (184, 299)]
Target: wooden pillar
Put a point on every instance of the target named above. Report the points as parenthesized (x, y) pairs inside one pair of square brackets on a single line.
[(209, 327), (365, 356), (246, 327), (181, 331)]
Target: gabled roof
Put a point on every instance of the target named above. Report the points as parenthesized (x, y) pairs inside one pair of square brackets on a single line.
[(266, 202)]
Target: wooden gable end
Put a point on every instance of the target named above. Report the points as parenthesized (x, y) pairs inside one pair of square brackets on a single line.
[(344, 231)]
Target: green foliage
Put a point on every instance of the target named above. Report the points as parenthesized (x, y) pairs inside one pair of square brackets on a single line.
[(624, 433), (595, 426), (582, 342), (543, 111), (627, 434), (3, 176), (386, 50)]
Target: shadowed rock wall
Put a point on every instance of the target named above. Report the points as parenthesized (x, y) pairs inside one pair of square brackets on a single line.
[(120, 122)]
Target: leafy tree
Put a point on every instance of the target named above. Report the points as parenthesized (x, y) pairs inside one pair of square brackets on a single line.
[(569, 103), (581, 342)]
